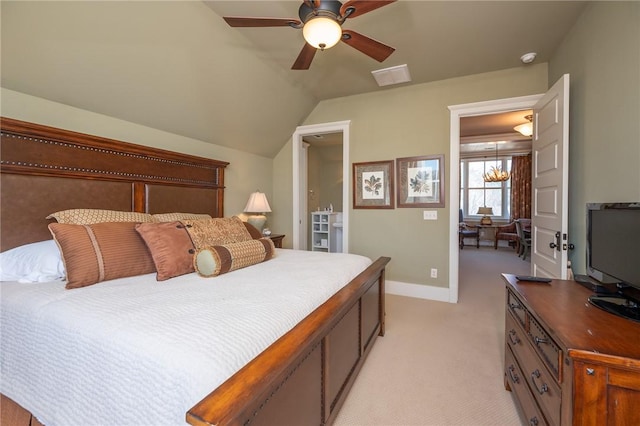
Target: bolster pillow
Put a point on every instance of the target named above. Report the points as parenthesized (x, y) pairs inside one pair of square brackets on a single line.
[(215, 260)]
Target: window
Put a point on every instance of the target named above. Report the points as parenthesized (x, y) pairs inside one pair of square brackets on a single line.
[(476, 193)]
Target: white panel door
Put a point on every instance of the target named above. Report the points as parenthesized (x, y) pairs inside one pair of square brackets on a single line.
[(550, 177)]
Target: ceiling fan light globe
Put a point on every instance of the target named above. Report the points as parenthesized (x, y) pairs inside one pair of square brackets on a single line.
[(322, 32)]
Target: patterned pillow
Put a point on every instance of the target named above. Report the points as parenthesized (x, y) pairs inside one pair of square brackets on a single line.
[(170, 246), (217, 231), (100, 252), (216, 260), (91, 216), (170, 217)]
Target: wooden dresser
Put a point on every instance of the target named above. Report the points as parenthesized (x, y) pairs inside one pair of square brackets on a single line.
[(566, 361)]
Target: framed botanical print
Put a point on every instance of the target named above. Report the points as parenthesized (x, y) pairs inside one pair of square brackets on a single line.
[(420, 181), (373, 185)]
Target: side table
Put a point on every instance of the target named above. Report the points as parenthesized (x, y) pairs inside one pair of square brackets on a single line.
[(487, 232), (277, 239)]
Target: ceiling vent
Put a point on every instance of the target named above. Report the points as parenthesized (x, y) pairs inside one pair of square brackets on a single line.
[(393, 75)]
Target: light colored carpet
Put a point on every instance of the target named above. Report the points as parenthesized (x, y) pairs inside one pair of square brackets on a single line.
[(441, 363)]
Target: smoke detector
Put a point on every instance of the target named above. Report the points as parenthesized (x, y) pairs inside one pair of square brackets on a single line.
[(527, 58)]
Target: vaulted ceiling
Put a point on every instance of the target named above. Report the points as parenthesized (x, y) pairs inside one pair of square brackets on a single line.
[(177, 66)]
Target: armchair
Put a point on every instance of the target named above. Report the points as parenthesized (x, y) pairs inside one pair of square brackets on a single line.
[(466, 231), (507, 233)]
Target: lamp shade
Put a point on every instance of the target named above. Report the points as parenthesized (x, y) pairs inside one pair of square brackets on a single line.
[(257, 203), (322, 32)]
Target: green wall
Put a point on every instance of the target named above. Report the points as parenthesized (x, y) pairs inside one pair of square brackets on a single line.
[(602, 55), (245, 173), (403, 122)]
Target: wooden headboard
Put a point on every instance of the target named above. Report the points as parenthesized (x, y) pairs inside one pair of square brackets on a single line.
[(44, 170)]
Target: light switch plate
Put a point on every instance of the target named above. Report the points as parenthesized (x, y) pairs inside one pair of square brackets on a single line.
[(430, 215)]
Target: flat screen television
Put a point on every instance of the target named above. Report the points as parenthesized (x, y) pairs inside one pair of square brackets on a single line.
[(613, 255)]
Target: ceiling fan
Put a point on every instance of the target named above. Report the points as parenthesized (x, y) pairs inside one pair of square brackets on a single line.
[(321, 22)]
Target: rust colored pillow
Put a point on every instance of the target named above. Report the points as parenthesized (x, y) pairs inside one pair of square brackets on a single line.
[(217, 231), (170, 246), (253, 231), (100, 252), (216, 260)]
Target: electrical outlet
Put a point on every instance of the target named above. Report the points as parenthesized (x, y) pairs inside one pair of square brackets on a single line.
[(434, 273)]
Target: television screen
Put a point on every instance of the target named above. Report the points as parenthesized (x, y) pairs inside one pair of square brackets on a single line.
[(613, 255), (614, 242)]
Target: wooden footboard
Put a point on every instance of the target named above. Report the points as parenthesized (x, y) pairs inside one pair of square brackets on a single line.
[(304, 377)]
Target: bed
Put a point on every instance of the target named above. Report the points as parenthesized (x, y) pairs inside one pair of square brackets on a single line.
[(297, 376)]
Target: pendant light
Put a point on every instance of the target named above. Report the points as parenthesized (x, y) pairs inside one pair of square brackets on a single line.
[(496, 174)]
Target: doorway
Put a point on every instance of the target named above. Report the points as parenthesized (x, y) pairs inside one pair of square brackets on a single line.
[(324, 187), (300, 181), (457, 112)]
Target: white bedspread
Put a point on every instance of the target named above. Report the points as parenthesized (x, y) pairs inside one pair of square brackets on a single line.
[(136, 351)]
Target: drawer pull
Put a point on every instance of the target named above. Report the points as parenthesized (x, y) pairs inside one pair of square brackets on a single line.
[(533, 421), (515, 306), (513, 337), (539, 340), (541, 390), (512, 374), (591, 371)]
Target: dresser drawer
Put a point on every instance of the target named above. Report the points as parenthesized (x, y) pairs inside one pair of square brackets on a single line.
[(518, 384), (546, 347), (515, 335), (517, 309), (542, 384)]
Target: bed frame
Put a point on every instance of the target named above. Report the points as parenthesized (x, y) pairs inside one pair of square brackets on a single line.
[(303, 378)]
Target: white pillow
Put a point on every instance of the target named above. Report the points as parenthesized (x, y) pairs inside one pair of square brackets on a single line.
[(36, 262)]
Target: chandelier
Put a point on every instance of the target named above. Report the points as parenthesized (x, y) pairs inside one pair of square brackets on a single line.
[(496, 174)]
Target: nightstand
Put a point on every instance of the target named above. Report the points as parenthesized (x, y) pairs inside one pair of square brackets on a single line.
[(277, 239)]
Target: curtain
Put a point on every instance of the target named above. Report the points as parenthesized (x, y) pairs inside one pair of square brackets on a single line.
[(521, 187)]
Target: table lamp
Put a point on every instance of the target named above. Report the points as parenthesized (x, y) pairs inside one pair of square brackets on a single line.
[(258, 205), (486, 212)]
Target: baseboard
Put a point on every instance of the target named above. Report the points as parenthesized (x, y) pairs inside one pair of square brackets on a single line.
[(419, 291)]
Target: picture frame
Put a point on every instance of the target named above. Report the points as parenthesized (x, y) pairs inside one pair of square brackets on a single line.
[(373, 185), (420, 181)]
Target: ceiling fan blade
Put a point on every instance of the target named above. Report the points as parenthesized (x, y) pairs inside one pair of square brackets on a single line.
[(366, 45), (238, 21), (360, 7), (303, 61)]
